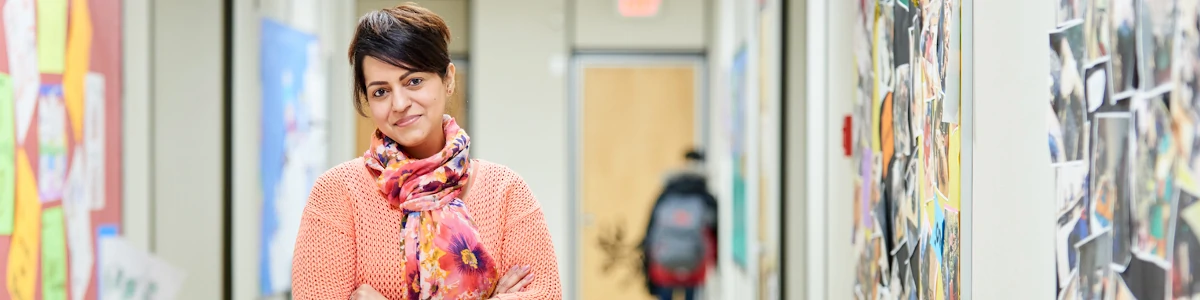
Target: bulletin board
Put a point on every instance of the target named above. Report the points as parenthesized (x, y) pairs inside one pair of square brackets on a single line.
[(60, 144), (1123, 109), (906, 148)]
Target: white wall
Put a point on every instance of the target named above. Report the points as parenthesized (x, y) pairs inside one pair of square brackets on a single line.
[(1013, 215), (519, 124), (186, 50), (135, 129)]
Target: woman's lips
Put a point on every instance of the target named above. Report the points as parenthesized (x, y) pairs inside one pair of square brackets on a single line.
[(409, 120)]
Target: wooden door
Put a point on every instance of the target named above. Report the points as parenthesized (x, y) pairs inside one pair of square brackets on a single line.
[(637, 123), (456, 106)]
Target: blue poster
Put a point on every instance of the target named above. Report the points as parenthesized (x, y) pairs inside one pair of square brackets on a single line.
[(738, 142), (287, 58)]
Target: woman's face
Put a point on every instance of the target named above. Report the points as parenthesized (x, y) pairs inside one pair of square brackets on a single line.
[(407, 106)]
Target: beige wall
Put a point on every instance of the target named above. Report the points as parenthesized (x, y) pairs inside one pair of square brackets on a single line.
[(679, 26), (186, 127), (795, 121), (454, 12)]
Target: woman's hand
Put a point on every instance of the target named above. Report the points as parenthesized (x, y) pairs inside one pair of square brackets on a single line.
[(366, 292), (515, 280)]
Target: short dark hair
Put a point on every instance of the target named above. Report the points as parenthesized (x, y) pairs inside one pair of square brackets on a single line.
[(406, 36)]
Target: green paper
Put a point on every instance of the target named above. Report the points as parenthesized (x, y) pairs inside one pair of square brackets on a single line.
[(54, 255), (8, 179), (52, 35)]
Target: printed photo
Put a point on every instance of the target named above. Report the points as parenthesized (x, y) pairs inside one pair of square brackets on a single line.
[(1096, 81), (1145, 279), (929, 273), (884, 67), (950, 265), (1055, 135), (904, 17), (1072, 228), (1071, 186), (899, 202), (1122, 291), (1189, 40), (1124, 58), (1109, 180), (1070, 288), (1096, 26), (901, 111), (1185, 262), (1153, 176), (1069, 10), (1067, 88), (1095, 256), (1156, 38)]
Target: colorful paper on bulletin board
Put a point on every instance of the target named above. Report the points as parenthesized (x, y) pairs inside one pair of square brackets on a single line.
[(955, 169), (291, 153), (738, 145), (23, 251), (21, 37), (52, 35), (52, 143), (76, 69), (54, 255), (8, 144)]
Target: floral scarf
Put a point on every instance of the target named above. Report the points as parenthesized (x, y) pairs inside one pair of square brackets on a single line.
[(443, 255)]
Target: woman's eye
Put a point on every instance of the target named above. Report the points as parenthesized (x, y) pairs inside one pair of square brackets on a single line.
[(379, 93), (415, 81)]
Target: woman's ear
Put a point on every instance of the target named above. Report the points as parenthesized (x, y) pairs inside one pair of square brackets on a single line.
[(450, 79)]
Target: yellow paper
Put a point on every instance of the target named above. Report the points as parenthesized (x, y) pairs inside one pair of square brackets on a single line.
[(54, 255), (23, 252), (78, 57), (955, 169), (52, 35)]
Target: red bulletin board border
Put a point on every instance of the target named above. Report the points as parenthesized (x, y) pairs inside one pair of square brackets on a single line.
[(106, 59)]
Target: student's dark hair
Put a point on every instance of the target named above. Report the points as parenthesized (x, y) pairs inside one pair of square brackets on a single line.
[(406, 36)]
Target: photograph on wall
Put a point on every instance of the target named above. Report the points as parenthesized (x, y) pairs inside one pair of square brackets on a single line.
[(1072, 228), (1185, 258), (1096, 24), (1153, 176), (1110, 192), (1124, 57), (1067, 89), (1095, 256), (1156, 40), (1070, 182), (1096, 81), (1069, 10)]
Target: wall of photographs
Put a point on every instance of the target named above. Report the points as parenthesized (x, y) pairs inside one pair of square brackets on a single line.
[(1123, 142), (906, 148)]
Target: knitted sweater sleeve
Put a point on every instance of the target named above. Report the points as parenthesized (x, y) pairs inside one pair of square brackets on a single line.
[(526, 241), (323, 264)]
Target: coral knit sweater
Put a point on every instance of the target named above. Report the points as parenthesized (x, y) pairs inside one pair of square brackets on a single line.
[(349, 234)]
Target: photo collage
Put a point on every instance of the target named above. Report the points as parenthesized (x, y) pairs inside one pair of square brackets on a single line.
[(1122, 117), (906, 150)]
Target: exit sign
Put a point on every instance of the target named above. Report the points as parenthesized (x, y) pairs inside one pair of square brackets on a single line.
[(638, 8)]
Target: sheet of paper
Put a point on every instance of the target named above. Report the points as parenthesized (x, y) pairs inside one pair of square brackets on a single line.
[(8, 144), (77, 62), (132, 273), (103, 231), (52, 35), (77, 211), (955, 168), (93, 139), (52, 143), (23, 252), (54, 255), (21, 37), (1096, 85)]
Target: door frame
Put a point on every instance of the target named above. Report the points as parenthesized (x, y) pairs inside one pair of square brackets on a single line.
[(580, 61)]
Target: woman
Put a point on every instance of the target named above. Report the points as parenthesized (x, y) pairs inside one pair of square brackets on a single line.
[(415, 217)]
